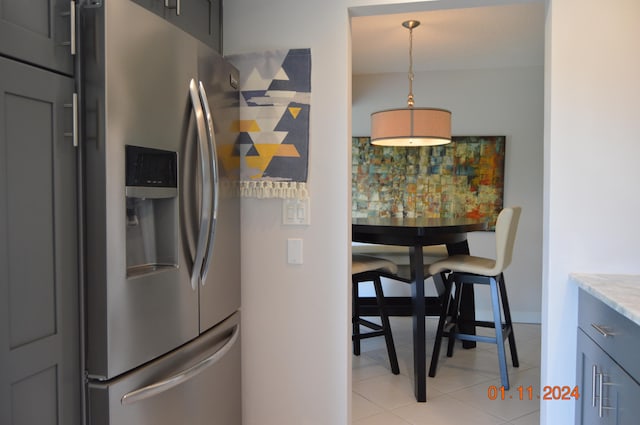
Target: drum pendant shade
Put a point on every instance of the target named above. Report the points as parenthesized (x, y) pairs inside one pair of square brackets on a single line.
[(411, 126)]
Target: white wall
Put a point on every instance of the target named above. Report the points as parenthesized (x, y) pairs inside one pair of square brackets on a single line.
[(506, 102), (295, 340), (591, 167)]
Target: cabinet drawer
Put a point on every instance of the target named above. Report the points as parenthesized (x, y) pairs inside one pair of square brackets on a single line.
[(617, 335)]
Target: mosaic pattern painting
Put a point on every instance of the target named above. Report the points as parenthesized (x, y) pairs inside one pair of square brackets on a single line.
[(275, 91), (464, 178)]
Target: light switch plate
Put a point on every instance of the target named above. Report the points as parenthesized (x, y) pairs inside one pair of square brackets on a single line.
[(295, 211), (294, 251)]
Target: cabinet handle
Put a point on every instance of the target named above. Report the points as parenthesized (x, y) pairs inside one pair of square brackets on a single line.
[(594, 372), (72, 11), (601, 330), (600, 407), (176, 7), (72, 27), (74, 108)]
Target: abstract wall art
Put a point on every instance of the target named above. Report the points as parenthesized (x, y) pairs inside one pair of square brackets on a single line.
[(462, 179)]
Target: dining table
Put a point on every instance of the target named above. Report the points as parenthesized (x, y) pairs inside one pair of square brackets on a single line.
[(417, 233)]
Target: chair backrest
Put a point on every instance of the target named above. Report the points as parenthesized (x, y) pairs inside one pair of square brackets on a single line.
[(506, 227)]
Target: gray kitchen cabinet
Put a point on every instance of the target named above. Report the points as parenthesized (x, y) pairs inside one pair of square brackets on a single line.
[(607, 369), (39, 332), (200, 18), (37, 32)]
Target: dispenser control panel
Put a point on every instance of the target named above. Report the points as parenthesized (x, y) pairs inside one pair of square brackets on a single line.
[(150, 167)]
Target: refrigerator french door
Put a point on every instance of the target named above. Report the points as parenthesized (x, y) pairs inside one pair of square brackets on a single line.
[(162, 214)]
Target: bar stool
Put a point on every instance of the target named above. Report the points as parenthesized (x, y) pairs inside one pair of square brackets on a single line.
[(469, 270), (401, 255), (366, 268)]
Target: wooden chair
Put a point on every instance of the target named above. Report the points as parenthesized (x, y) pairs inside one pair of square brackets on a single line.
[(469, 270), (366, 268)]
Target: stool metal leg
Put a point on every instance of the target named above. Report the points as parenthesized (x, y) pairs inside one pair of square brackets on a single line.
[(497, 319), (455, 315), (508, 322)]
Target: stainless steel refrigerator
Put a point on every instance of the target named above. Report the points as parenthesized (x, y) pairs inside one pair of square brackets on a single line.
[(162, 222)]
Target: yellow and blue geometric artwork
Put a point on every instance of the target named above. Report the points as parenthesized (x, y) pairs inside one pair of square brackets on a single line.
[(275, 92)]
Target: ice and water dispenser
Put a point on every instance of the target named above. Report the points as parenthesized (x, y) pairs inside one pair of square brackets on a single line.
[(151, 210)]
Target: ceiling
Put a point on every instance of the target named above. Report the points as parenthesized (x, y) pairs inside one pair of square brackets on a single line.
[(497, 36)]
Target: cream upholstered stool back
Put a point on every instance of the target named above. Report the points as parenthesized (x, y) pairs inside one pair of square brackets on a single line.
[(506, 227), (367, 268), (467, 269)]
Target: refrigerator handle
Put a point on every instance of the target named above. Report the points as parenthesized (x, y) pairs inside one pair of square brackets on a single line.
[(214, 173), (205, 202), (182, 376)]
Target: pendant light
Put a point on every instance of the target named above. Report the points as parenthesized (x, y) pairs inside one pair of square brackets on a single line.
[(411, 126)]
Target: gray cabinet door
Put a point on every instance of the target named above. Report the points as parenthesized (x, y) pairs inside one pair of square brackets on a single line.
[(608, 394), (590, 362), (200, 18), (39, 347), (37, 32)]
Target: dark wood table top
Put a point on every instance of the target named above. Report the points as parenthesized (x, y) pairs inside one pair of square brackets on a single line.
[(413, 231)]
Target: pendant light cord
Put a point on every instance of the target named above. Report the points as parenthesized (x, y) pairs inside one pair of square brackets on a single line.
[(410, 101)]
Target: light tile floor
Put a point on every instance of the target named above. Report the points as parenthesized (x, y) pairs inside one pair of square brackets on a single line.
[(459, 393)]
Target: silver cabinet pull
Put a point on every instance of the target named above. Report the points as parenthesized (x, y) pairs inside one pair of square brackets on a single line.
[(213, 164), (176, 7), (600, 407), (594, 372), (601, 330), (72, 18), (182, 376), (205, 204), (72, 27), (74, 131)]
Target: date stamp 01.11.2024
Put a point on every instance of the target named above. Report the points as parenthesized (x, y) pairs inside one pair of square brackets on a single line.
[(549, 392)]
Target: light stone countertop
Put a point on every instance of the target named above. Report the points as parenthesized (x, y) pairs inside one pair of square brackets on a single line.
[(618, 291)]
